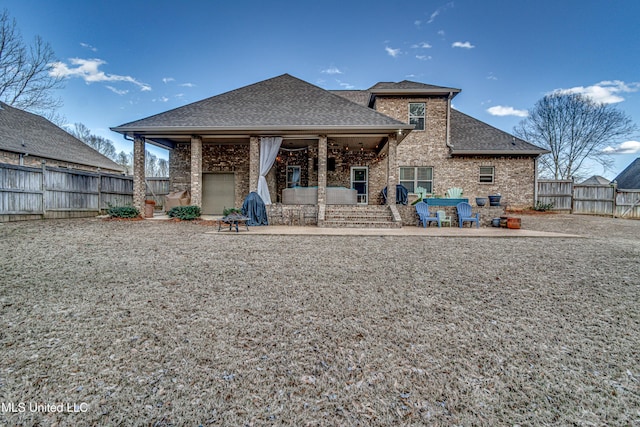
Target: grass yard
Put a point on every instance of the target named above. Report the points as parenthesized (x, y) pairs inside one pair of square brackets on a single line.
[(161, 324)]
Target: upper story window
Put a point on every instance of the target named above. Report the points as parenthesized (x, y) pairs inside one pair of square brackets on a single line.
[(487, 174), (417, 112)]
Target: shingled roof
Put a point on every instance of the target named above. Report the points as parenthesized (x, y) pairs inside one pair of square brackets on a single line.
[(280, 103), (470, 136), (629, 178), (407, 87), (27, 133)]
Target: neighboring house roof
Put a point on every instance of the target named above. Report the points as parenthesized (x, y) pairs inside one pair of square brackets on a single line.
[(361, 97), (629, 178), (283, 103), (470, 136), (27, 133), (596, 180)]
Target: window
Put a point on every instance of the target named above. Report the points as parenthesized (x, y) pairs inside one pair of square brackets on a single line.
[(417, 115), (414, 177), (487, 174), (293, 176)]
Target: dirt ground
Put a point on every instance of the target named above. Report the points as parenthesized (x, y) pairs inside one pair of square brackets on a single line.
[(160, 323)]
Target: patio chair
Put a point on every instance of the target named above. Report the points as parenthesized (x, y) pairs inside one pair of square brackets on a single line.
[(443, 218), (465, 215), (422, 209)]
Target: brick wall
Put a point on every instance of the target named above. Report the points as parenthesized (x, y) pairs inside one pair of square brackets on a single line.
[(514, 176)]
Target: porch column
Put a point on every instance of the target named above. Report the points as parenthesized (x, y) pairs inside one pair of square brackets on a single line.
[(254, 163), (196, 170), (392, 169), (322, 170), (139, 188)]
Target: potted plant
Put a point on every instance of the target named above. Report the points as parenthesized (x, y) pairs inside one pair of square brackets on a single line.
[(481, 201), (494, 199)]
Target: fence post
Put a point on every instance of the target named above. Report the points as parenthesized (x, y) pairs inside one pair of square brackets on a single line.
[(573, 195), (43, 188), (614, 206), (99, 192)]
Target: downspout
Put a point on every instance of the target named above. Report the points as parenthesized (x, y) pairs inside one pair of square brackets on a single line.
[(535, 180), (447, 139)]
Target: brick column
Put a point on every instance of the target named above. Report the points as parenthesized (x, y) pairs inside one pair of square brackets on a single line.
[(254, 163), (139, 187), (196, 171), (392, 169), (322, 170)]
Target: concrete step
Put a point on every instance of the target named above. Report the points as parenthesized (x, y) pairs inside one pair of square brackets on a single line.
[(359, 217)]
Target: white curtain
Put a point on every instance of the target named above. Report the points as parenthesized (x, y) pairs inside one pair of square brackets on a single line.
[(269, 147)]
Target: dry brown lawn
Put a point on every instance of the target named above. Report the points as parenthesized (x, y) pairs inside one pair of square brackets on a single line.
[(160, 323)]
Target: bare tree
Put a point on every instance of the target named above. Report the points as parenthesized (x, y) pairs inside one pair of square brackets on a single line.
[(574, 128), (25, 78), (98, 143), (126, 161)]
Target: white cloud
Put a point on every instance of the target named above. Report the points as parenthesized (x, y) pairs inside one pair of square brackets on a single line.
[(606, 92), (188, 85), (422, 45), (491, 77), (463, 45), (392, 52), (88, 46), (345, 85), (161, 99), (166, 80), (117, 91), (332, 70), (441, 33), (628, 147), (417, 23), (423, 57), (439, 10), (501, 110), (88, 70)]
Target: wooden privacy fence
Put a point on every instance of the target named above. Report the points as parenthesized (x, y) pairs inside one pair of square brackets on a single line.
[(49, 192), (565, 195)]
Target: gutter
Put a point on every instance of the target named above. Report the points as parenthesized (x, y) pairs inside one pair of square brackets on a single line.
[(448, 136)]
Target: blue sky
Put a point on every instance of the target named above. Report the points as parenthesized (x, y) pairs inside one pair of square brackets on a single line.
[(125, 60)]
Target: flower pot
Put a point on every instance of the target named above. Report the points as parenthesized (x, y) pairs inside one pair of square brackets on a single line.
[(495, 222), (481, 201), (149, 206), (494, 200)]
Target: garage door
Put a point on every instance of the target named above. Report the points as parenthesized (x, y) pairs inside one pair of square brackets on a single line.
[(217, 192)]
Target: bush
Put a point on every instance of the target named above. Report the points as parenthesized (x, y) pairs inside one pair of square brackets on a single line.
[(542, 207), (185, 212), (229, 211), (123, 212)]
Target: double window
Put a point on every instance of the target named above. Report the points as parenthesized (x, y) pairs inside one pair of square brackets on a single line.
[(417, 115), (418, 176), (487, 174)]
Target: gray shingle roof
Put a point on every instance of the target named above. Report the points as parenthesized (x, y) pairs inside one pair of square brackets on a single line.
[(629, 178), (361, 97), (407, 86), (470, 136), (283, 101), (596, 180), (24, 132)]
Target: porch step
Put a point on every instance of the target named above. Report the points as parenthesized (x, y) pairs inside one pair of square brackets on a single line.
[(349, 216)]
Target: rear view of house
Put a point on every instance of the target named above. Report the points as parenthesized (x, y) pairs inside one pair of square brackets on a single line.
[(306, 149)]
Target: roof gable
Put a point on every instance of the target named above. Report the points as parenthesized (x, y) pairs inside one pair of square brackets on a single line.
[(28, 133), (629, 178), (283, 101), (471, 136), (407, 87)]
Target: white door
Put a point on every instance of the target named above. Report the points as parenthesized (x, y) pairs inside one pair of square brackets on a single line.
[(360, 182)]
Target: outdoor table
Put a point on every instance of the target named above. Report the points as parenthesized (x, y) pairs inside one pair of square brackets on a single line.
[(234, 219)]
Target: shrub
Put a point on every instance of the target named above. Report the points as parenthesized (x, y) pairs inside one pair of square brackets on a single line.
[(185, 212), (123, 212), (229, 211), (542, 207)]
